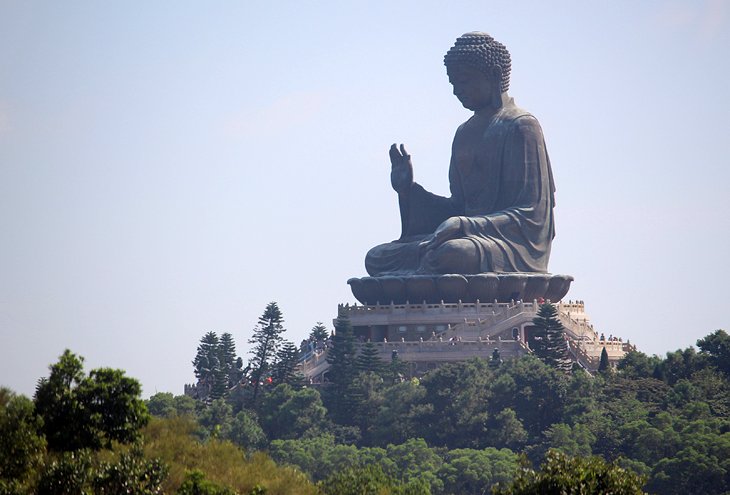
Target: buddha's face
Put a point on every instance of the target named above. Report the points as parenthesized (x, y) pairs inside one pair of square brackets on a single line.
[(472, 87)]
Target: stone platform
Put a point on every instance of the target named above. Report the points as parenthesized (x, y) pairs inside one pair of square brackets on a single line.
[(428, 335), (485, 287)]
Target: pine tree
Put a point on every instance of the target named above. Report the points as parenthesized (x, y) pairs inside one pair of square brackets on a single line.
[(604, 366), (266, 339), (230, 363), (549, 343), (284, 369), (369, 361), (342, 392), (212, 379), (207, 348), (319, 332)]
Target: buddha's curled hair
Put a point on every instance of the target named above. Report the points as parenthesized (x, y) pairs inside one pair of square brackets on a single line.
[(482, 52)]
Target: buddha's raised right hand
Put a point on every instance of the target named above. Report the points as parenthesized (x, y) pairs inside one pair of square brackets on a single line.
[(401, 172)]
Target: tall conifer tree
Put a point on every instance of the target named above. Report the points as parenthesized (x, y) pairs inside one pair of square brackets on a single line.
[(604, 366), (230, 363), (212, 378), (342, 391), (369, 361), (266, 339), (284, 369), (549, 343), (319, 332)]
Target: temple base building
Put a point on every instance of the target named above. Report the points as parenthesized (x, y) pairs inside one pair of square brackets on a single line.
[(424, 336)]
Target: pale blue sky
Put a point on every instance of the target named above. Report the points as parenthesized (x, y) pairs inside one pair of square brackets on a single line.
[(168, 168)]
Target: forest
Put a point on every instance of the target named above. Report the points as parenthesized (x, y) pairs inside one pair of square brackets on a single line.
[(651, 425)]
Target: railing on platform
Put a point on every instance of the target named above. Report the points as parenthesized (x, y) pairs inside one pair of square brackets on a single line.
[(457, 307)]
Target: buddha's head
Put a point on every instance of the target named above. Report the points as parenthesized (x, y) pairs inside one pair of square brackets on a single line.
[(478, 67)]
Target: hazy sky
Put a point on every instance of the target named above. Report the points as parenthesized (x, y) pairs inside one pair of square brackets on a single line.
[(168, 168)]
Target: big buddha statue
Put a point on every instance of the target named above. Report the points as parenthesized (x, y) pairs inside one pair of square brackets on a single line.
[(499, 216)]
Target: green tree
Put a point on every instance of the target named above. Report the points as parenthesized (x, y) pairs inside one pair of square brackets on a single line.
[(88, 412), (21, 445), (369, 480), (287, 413), (506, 430), (319, 457), (209, 368), (680, 364), (536, 392), (216, 419), (66, 425), (83, 472), (368, 360), (573, 441), (164, 404), (69, 473), (717, 347), (231, 365), (284, 369), (196, 484), (319, 332), (113, 401), (371, 403), (549, 342), (457, 396), (563, 475), (342, 396), (604, 366), (399, 413), (246, 432), (636, 364), (414, 460), (131, 473), (267, 338), (467, 471), (161, 404), (696, 454), (173, 440)]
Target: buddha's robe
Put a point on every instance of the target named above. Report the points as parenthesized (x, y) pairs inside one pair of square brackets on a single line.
[(501, 187)]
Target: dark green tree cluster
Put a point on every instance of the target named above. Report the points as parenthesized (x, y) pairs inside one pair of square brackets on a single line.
[(84, 434), (80, 411), (220, 372), (664, 419), (560, 474), (216, 366), (50, 445), (269, 398)]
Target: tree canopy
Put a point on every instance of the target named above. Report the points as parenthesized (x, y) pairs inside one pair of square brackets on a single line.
[(80, 411)]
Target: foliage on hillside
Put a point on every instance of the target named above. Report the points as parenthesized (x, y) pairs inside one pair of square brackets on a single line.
[(86, 434), (224, 464), (460, 428), (661, 425)]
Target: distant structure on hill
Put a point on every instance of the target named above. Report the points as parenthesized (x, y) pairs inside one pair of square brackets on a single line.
[(424, 336)]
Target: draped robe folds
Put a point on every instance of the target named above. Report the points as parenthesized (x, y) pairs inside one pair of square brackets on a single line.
[(502, 189)]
